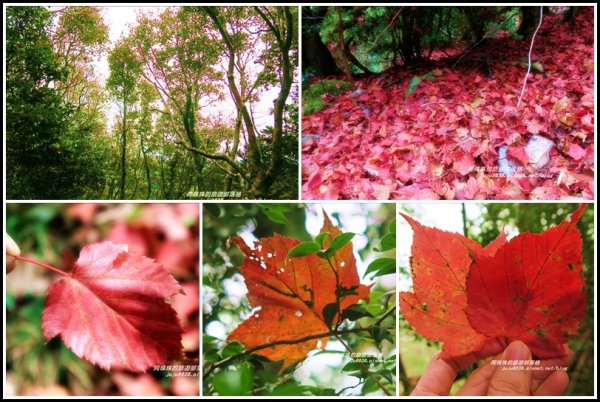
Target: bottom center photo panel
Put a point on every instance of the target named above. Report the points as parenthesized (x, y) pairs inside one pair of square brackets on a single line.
[(299, 299)]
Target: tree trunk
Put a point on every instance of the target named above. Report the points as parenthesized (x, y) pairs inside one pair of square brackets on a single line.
[(342, 44), (123, 151), (530, 17), (315, 54), (234, 148), (255, 165), (147, 168), (189, 124), (261, 186)]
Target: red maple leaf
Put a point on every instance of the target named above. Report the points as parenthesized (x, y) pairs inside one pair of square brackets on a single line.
[(111, 309), (292, 293), (436, 307), (529, 289)]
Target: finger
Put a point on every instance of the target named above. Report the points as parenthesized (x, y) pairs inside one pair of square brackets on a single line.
[(436, 380), (10, 264), (540, 375), (490, 348), (11, 246), (512, 382), (478, 382), (555, 384)]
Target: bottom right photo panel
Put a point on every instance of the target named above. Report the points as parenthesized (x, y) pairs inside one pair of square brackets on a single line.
[(496, 299)]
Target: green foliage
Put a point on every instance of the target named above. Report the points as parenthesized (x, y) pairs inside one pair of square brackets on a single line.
[(380, 37), (51, 153), (163, 72), (312, 97)]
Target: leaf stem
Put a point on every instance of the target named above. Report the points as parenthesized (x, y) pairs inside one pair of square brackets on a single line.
[(41, 264)]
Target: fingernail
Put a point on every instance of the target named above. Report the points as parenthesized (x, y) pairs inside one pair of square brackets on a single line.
[(11, 246), (517, 351)]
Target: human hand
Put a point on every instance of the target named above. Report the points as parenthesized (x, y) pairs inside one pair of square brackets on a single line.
[(11, 250), (492, 379)]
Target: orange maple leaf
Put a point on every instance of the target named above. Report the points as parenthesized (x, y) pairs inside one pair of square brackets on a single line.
[(291, 294)]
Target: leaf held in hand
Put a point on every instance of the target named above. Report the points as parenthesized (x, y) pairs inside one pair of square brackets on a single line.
[(527, 289), (111, 310), (531, 289), (440, 263)]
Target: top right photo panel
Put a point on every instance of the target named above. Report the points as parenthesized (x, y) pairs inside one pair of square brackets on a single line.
[(448, 103)]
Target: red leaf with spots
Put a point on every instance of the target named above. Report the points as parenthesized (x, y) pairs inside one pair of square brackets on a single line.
[(111, 309), (531, 289), (436, 307), (291, 293)]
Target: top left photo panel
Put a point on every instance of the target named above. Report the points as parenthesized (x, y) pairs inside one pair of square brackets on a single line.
[(151, 103)]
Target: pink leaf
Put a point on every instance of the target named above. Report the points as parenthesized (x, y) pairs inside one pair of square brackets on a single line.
[(111, 309)]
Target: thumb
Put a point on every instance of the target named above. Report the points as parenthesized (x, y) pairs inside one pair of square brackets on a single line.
[(505, 380)]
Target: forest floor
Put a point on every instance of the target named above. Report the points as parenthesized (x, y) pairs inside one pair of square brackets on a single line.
[(458, 133)]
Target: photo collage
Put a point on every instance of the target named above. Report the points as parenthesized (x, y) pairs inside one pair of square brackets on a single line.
[(299, 200)]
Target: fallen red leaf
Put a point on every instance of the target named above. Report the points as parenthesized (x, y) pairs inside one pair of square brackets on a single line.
[(111, 309), (576, 152), (419, 141)]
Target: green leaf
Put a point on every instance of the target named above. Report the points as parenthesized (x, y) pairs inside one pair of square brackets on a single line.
[(343, 292), (392, 226), (289, 388), (352, 366), (303, 249), (379, 264), (354, 312), (380, 334), (232, 349), (321, 238), (388, 242), (387, 374), (233, 382), (329, 313), (340, 241), (385, 271), (412, 86), (274, 212)]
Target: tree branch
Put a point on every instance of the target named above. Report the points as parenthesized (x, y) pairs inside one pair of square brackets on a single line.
[(225, 362), (529, 57), (208, 155)]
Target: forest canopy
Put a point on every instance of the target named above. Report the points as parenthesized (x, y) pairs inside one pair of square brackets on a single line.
[(181, 102)]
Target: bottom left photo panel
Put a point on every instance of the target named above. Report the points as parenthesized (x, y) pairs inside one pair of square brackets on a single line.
[(102, 299)]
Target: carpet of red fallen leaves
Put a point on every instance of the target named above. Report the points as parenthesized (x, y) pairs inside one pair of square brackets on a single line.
[(441, 142)]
